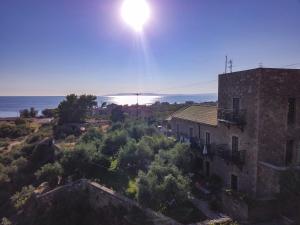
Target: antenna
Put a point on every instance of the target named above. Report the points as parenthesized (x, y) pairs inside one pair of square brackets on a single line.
[(230, 65), (260, 65), (137, 106), (226, 58)]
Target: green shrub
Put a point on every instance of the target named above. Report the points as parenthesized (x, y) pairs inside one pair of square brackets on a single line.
[(92, 134), (19, 199), (8, 130), (70, 138), (63, 131), (50, 173), (33, 138), (113, 141), (20, 121)]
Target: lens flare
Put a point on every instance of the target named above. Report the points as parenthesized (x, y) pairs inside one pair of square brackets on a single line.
[(135, 13)]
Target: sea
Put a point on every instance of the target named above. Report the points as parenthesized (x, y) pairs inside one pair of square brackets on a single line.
[(11, 105)]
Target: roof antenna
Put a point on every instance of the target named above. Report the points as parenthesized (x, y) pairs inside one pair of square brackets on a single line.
[(260, 65), (226, 62), (230, 65)]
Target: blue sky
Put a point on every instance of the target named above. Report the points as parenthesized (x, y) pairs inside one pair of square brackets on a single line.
[(56, 47)]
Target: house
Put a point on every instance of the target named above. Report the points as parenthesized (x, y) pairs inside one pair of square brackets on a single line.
[(250, 137)]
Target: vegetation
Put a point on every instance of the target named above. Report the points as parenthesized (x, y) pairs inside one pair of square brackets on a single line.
[(28, 113), (49, 113), (131, 157), (11, 130), (20, 198), (74, 109)]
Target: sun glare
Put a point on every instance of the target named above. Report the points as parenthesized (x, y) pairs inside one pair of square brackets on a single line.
[(135, 13)]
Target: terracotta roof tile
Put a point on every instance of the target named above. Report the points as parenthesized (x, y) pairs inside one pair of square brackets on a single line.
[(198, 113)]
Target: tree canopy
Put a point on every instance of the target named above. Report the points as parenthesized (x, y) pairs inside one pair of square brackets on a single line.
[(74, 109)]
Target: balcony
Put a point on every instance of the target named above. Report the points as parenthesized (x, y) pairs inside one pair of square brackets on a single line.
[(232, 117), (235, 157)]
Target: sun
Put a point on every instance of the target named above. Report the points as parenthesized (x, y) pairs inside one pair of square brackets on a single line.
[(135, 13)]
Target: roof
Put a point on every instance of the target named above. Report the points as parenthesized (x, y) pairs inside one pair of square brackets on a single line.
[(199, 114)]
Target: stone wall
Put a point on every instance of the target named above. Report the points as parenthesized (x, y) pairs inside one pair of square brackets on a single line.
[(249, 211), (101, 197)]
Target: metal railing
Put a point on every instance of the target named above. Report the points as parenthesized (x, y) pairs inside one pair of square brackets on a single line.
[(235, 157), (232, 116)]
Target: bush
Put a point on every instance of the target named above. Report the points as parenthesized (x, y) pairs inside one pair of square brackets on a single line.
[(33, 139), (20, 121), (91, 135), (180, 156), (8, 130), (63, 131), (49, 113), (43, 153), (50, 173), (70, 138), (28, 113), (3, 143), (135, 156), (163, 186), (113, 141), (19, 199), (76, 163)]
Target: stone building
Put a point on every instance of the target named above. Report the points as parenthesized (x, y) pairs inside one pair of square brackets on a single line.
[(254, 133)]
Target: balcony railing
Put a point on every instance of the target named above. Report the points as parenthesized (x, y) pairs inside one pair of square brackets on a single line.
[(235, 157), (232, 116)]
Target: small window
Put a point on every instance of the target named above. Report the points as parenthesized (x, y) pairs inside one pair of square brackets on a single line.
[(291, 111), (236, 105), (207, 138), (289, 152), (199, 131), (200, 164), (177, 129), (191, 132), (234, 182), (207, 168), (298, 154), (235, 144)]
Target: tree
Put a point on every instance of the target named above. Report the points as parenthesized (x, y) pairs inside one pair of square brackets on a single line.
[(117, 114), (91, 135), (19, 199), (28, 113), (180, 155), (163, 186), (50, 172), (49, 113), (113, 141), (76, 163), (75, 109), (135, 156)]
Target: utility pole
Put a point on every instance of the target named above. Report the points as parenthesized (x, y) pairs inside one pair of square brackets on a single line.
[(230, 65), (226, 64), (137, 106)]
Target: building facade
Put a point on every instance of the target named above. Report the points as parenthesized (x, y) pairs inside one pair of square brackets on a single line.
[(257, 130)]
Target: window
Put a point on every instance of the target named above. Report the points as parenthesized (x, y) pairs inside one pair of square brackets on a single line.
[(234, 182), (236, 105), (199, 132), (298, 154), (191, 132), (177, 130), (207, 138), (207, 168), (200, 164), (291, 111), (289, 152), (235, 144)]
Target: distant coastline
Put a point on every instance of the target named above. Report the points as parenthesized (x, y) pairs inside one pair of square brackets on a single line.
[(11, 105)]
